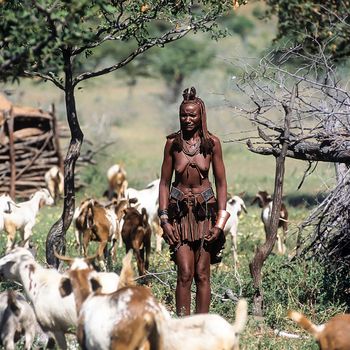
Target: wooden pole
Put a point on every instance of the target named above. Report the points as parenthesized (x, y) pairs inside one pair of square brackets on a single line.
[(10, 124)]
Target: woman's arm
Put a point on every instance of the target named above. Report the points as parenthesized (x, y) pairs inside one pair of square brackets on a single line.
[(221, 191), (164, 188), (165, 177), (219, 175)]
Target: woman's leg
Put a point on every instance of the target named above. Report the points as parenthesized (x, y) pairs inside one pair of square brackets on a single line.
[(185, 271), (202, 279)]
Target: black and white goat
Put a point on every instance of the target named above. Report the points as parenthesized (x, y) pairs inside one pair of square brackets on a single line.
[(265, 202)]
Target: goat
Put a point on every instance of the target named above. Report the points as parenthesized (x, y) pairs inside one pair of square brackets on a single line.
[(17, 319), (125, 317), (136, 234), (54, 180), (5, 207), (117, 183), (202, 331), (54, 313), (265, 202), (148, 199), (41, 285), (22, 217), (334, 335), (96, 222), (234, 206)]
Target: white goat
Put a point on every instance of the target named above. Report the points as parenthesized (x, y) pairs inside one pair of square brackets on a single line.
[(5, 206), (41, 285), (148, 199), (54, 313), (234, 206), (202, 331), (54, 180), (17, 319), (22, 217)]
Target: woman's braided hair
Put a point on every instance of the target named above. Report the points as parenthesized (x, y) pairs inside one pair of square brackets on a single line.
[(207, 144)]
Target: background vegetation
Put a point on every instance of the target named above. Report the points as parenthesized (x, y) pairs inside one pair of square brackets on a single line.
[(136, 109)]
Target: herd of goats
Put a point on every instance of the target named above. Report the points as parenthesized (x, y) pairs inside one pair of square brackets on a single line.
[(107, 310)]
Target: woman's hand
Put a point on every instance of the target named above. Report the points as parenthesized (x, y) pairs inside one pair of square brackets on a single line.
[(170, 235), (213, 234)]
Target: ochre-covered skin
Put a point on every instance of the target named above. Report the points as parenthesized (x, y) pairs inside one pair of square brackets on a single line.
[(188, 155)]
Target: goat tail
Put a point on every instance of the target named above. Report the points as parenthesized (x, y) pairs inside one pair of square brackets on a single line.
[(146, 334), (144, 217), (241, 316), (89, 215), (303, 322), (127, 273)]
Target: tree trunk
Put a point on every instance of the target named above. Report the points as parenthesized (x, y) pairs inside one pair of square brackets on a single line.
[(175, 87), (264, 251), (56, 237)]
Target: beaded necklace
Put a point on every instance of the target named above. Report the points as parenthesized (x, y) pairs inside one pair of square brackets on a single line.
[(189, 148)]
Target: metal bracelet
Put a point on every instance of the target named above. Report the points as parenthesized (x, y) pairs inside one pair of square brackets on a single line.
[(162, 212), (222, 218)]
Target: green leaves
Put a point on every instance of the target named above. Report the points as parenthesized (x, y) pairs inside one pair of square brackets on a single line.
[(34, 34), (317, 25)]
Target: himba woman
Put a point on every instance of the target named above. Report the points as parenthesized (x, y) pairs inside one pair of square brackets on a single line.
[(191, 216)]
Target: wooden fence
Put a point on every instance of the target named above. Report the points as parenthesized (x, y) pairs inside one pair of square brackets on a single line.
[(29, 146)]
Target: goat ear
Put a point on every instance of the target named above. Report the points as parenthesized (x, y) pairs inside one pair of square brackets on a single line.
[(95, 284), (65, 287)]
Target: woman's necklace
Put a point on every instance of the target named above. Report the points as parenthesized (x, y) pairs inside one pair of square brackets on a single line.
[(191, 149)]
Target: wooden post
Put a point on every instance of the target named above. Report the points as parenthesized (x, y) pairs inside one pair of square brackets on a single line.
[(10, 123)]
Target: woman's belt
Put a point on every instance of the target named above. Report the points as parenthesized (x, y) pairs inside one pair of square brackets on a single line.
[(201, 197)]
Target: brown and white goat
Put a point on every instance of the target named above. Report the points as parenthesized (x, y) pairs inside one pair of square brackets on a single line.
[(265, 202), (136, 234), (125, 318), (22, 217), (17, 319), (6, 203), (117, 183), (334, 335), (96, 222), (54, 180), (148, 198)]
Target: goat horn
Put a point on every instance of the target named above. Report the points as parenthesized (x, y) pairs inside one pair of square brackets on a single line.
[(68, 259)]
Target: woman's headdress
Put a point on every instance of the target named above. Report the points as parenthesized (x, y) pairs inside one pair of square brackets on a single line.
[(189, 96)]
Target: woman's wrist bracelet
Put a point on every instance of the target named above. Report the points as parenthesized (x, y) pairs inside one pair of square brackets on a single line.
[(222, 218), (162, 212)]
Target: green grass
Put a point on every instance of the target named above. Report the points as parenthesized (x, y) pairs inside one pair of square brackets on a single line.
[(286, 285)]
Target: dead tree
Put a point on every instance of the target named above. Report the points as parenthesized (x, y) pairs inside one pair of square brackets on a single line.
[(264, 251), (319, 131)]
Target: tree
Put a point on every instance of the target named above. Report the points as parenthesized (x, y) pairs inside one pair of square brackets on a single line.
[(318, 131), (326, 22), (179, 60), (47, 39)]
